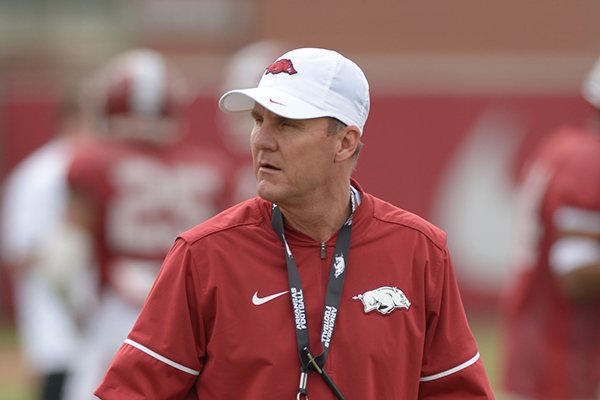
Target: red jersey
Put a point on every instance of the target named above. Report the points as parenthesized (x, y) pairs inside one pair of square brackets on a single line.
[(144, 196), (218, 324), (552, 342)]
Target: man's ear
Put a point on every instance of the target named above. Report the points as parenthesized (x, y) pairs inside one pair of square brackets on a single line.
[(349, 140)]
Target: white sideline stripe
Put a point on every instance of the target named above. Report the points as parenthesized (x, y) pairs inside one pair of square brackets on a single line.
[(161, 358), (450, 371)]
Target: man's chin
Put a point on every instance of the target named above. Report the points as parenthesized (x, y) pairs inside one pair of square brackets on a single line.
[(267, 191)]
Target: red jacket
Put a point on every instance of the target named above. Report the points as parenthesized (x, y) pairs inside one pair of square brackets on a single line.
[(201, 335)]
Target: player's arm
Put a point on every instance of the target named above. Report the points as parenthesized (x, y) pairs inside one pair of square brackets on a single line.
[(582, 283), (82, 210), (65, 257), (575, 255)]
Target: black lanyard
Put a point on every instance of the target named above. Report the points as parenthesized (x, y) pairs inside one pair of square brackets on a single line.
[(332, 300)]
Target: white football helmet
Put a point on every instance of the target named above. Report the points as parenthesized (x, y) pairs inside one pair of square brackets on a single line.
[(140, 95)]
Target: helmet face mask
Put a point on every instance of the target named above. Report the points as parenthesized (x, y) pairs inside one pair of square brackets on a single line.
[(152, 129)]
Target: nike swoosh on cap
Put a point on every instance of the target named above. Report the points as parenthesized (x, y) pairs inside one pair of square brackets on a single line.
[(257, 301), (276, 102)]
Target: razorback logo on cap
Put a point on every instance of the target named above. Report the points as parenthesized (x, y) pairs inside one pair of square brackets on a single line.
[(283, 65)]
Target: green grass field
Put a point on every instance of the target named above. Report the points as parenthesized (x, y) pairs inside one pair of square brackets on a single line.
[(16, 383)]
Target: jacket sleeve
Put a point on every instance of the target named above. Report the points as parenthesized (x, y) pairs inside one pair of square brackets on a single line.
[(452, 367), (163, 354)]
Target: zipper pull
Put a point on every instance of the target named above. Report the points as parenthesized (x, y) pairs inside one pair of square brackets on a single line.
[(323, 251)]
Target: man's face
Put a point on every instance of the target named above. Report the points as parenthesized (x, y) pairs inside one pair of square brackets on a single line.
[(293, 158)]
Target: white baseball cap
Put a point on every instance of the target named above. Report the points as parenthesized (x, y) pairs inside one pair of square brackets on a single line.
[(308, 83), (591, 86)]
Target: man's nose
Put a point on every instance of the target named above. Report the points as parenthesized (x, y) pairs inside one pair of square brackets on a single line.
[(263, 136)]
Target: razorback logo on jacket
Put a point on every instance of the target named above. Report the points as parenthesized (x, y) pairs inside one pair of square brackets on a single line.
[(283, 65), (384, 299)]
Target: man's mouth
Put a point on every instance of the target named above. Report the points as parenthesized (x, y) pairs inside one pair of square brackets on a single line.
[(268, 166)]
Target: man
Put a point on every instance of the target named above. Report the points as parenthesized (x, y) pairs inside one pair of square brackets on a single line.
[(133, 190), (370, 282), (553, 323)]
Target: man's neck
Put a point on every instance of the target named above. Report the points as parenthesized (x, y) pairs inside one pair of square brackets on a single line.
[(320, 219)]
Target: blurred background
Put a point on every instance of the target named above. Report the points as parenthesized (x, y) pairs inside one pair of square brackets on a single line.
[(461, 91)]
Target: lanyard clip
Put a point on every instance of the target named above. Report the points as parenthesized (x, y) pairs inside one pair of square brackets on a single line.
[(324, 375), (302, 394)]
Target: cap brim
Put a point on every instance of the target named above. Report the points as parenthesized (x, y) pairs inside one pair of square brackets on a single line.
[(274, 100)]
